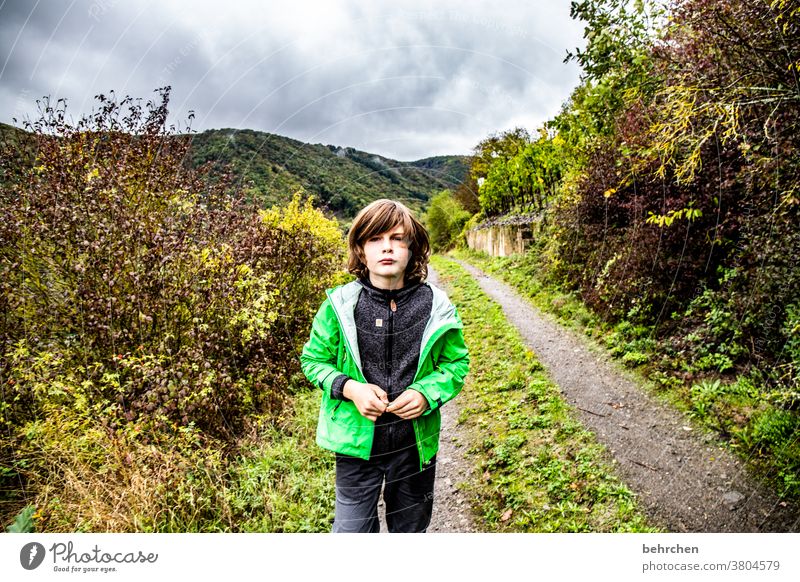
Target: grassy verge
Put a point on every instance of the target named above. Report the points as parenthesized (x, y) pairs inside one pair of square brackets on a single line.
[(285, 482), (731, 406), (539, 469), (97, 480)]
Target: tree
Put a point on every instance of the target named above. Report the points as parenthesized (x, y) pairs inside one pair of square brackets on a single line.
[(146, 290), (445, 219)]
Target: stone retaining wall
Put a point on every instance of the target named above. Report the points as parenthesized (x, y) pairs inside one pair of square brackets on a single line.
[(502, 240)]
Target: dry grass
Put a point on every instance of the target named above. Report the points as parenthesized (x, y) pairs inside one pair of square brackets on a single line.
[(100, 480)]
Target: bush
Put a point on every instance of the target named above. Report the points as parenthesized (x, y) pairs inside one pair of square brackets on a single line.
[(90, 477), (773, 429), (445, 219), (141, 297)]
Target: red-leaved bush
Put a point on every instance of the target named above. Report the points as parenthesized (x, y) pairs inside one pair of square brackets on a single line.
[(135, 288)]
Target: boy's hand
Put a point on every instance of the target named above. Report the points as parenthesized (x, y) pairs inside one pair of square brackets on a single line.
[(370, 399), (410, 404)]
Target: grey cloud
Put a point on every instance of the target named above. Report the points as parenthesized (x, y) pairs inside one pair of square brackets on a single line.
[(91, 47), (403, 79)]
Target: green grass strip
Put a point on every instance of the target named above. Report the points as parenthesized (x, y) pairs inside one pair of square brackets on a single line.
[(539, 470), (286, 482)]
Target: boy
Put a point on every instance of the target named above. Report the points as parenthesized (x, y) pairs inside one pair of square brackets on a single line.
[(387, 350)]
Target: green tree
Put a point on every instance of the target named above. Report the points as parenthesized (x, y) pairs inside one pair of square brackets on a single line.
[(524, 176), (445, 219)]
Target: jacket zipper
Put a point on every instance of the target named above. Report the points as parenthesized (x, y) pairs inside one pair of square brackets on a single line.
[(418, 442), (389, 335), (388, 352)]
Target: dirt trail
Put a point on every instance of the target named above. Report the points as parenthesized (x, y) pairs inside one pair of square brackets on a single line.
[(685, 480), (451, 509)]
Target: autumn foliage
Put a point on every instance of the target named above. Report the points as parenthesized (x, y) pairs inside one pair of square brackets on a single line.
[(670, 178), (673, 205), (141, 298)]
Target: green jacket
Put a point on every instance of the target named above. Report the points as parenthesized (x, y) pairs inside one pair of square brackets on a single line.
[(332, 349)]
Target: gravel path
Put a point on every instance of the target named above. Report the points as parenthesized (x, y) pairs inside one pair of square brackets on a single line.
[(685, 481), (451, 509)]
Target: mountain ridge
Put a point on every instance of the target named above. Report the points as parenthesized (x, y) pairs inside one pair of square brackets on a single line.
[(342, 179)]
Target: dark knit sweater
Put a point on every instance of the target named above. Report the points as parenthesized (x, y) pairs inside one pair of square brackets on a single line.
[(389, 344)]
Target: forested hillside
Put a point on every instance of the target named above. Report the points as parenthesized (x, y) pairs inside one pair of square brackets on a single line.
[(343, 180)]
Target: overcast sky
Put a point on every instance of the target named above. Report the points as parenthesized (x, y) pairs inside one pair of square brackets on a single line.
[(403, 79)]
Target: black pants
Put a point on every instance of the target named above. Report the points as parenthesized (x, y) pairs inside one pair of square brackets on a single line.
[(408, 492)]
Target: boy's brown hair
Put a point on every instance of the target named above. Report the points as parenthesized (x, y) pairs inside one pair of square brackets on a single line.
[(379, 217)]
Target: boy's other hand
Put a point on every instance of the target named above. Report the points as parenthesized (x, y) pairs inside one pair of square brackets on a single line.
[(410, 404), (370, 399)]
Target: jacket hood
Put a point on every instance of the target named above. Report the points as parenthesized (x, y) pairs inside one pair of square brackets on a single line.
[(344, 298)]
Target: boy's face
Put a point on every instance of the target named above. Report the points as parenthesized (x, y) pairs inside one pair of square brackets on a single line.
[(387, 254)]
